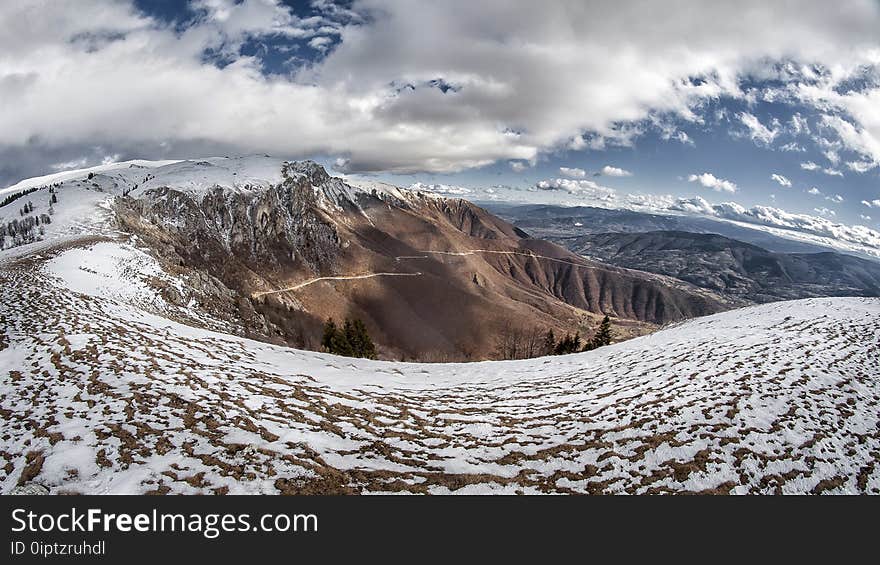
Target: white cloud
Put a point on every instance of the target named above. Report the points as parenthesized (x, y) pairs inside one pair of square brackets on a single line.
[(518, 166), (71, 165), (321, 43), (711, 181), (757, 131), (825, 212), (783, 181), (865, 217), (441, 189), (573, 173), (832, 172), (871, 203), (586, 188), (814, 191), (837, 199), (861, 166), (110, 159), (810, 166), (650, 201), (341, 165), (696, 205), (799, 125), (533, 77), (611, 171), (792, 146)]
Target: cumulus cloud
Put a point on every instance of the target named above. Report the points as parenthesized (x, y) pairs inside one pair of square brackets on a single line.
[(825, 212), (711, 181), (573, 173), (610, 171), (781, 180), (814, 191), (80, 163), (871, 203), (501, 57), (650, 201), (792, 146), (757, 131), (441, 189), (861, 166), (518, 166), (321, 43), (799, 125), (810, 166), (585, 188)]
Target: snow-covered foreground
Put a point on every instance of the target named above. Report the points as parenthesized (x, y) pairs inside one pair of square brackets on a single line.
[(98, 395)]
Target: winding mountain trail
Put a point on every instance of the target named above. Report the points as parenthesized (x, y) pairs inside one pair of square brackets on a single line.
[(491, 251), (340, 278), (409, 257)]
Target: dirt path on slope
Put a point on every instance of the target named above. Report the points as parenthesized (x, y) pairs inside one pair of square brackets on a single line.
[(406, 258), (340, 278)]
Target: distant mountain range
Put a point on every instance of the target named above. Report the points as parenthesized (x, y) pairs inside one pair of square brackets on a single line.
[(726, 265), (740, 263), (550, 221)]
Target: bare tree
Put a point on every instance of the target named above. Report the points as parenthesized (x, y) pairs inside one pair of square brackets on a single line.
[(514, 342)]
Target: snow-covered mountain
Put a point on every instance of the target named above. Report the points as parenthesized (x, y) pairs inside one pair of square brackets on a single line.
[(103, 394), (274, 248), (82, 190)]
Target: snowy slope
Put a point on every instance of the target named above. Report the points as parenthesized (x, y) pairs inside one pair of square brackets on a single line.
[(101, 394)]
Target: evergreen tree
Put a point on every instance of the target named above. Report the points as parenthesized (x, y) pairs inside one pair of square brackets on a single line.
[(339, 345), (603, 335), (361, 343), (329, 332), (351, 340)]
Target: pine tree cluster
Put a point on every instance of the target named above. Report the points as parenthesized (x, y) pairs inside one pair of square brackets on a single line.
[(351, 340), (573, 343)]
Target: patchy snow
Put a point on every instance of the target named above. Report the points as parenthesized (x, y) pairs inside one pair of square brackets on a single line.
[(100, 395)]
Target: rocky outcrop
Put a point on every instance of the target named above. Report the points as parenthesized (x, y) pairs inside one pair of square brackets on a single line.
[(281, 227)]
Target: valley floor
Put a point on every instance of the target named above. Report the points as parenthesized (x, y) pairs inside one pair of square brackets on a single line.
[(101, 395)]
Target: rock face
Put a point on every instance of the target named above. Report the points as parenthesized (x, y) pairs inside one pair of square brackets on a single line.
[(433, 278), (275, 227), (735, 268)]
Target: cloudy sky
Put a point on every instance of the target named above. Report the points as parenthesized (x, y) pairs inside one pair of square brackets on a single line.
[(759, 109)]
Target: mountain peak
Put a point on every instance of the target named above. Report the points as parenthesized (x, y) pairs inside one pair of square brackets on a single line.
[(315, 172)]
